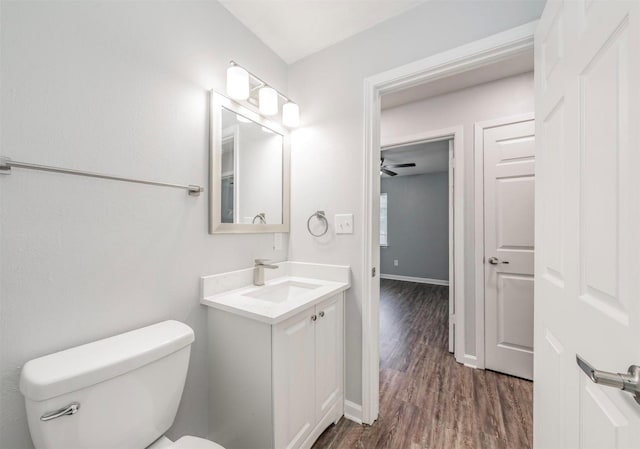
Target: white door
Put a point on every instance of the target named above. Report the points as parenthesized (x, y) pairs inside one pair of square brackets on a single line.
[(328, 355), (587, 222), (293, 379), (509, 162)]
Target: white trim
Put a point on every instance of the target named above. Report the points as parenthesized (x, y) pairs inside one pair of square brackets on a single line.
[(421, 137), (353, 411), (470, 361), (452, 246), (478, 257), (397, 277), (485, 51)]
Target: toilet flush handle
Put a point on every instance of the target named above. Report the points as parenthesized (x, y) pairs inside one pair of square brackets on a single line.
[(70, 409)]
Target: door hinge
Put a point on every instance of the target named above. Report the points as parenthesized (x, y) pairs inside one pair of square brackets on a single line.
[(373, 272)]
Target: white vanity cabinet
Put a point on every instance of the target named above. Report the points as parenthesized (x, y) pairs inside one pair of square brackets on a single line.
[(307, 374), (276, 386)]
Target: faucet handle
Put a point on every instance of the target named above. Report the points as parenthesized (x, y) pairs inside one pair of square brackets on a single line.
[(261, 261)]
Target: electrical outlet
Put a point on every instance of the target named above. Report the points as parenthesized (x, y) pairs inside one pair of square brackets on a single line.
[(395, 262), (277, 241)]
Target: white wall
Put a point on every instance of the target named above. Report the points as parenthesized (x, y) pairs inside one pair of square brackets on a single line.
[(327, 151), (115, 87), (501, 98)]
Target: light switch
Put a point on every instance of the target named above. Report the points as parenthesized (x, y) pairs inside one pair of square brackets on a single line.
[(344, 223)]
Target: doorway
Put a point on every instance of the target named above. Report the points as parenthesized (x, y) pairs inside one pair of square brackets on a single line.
[(417, 215), (501, 47)]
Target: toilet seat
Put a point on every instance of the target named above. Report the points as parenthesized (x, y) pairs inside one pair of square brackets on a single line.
[(189, 442)]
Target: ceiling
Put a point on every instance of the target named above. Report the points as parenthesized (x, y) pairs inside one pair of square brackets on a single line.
[(498, 70), (294, 29), (429, 157)]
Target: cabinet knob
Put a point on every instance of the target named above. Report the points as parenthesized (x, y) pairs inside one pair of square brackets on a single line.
[(321, 314), (313, 317)]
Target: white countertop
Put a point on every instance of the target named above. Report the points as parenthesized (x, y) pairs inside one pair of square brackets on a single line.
[(274, 312), (328, 280)]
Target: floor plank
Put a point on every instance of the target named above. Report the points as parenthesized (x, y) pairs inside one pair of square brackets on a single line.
[(427, 399)]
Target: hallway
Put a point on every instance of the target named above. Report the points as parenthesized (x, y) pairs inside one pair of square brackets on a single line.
[(428, 400)]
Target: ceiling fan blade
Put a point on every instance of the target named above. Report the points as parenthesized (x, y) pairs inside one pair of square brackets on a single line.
[(409, 164), (387, 172)]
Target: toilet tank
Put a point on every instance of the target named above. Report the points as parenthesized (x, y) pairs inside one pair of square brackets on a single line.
[(128, 388)]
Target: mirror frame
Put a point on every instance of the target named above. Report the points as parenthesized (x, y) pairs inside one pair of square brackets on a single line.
[(217, 102)]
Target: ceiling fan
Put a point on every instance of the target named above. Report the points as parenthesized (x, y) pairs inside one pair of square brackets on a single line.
[(384, 168)]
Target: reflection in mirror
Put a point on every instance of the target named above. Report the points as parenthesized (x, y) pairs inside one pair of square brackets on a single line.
[(249, 178), (251, 172), (227, 214)]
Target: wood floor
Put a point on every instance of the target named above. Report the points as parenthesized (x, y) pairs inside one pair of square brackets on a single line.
[(427, 400)]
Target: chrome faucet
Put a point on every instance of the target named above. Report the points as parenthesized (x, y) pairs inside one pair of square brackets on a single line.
[(258, 271)]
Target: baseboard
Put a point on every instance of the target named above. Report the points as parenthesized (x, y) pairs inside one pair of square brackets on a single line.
[(397, 277), (353, 412)]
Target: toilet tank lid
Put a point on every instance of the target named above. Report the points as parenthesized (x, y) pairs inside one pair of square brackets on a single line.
[(86, 365)]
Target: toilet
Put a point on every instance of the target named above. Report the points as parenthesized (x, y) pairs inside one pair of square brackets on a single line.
[(122, 392)]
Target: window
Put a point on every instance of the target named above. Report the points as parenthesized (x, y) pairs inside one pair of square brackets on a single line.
[(383, 220)]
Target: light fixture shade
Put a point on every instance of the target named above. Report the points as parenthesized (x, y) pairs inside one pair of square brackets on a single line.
[(290, 115), (268, 100), (237, 83)]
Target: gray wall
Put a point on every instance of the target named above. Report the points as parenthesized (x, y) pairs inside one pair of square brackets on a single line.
[(418, 226), (114, 87)]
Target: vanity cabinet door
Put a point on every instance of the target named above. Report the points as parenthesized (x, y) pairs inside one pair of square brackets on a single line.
[(329, 349), (294, 379)]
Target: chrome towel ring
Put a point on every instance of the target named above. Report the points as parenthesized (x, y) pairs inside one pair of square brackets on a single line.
[(322, 217), (261, 217)]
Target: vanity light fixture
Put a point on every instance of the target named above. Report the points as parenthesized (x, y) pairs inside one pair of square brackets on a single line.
[(239, 87), (290, 115), (237, 82), (268, 101)]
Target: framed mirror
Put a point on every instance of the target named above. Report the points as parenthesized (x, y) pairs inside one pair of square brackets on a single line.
[(249, 171)]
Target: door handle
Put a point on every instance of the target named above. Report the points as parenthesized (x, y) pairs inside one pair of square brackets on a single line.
[(629, 381), (496, 261)]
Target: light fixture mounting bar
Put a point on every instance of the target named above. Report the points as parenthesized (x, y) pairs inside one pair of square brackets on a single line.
[(262, 82)]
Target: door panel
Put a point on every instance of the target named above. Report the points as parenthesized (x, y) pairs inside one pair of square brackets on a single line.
[(509, 184), (515, 311), (587, 219), (293, 380), (329, 344), (515, 211)]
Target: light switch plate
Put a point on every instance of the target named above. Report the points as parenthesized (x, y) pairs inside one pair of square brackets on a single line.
[(344, 223)]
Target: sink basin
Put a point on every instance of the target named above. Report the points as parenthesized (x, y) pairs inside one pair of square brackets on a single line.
[(281, 292)]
